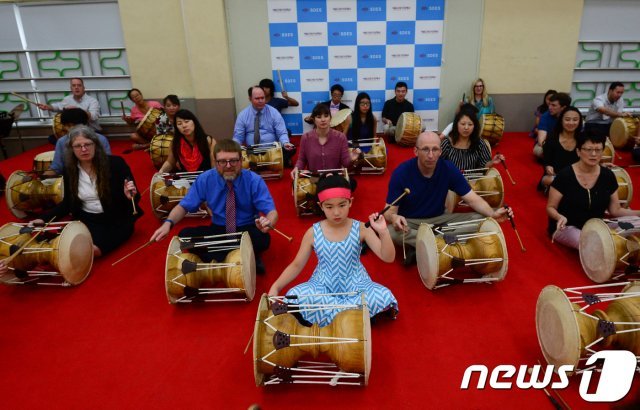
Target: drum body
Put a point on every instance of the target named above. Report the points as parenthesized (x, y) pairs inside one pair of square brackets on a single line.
[(304, 191), (29, 196), (147, 126), (159, 149), (625, 186), (167, 190), (373, 161), (491, 128), (340, 120), (66, 247), (277, 353), (568, 331), (408, 128), (606, 249), (622, 131), (42, 162), (486, 182), (265, 159), (479, 245), (188, 279), (59, 130), (609, 153)]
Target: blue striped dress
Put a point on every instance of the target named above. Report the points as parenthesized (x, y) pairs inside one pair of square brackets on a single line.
[(339, 270)]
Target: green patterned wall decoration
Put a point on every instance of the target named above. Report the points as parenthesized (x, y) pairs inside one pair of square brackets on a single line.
[(590, 91), (104, 66), (55, 100), (57, 56), (597, 52), (16, 64), (630, 60), (114, 103)]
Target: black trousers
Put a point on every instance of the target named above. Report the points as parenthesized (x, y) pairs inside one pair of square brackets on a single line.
[(259, 239)]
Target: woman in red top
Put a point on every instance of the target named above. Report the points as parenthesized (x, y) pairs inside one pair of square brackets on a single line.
[(191, 148), (138, 111)]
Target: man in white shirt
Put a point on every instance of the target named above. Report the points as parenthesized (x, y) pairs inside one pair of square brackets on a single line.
[(605, 108), (78, 99)]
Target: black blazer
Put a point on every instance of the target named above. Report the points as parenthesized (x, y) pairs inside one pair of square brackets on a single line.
[(119, 210), (342, 106)]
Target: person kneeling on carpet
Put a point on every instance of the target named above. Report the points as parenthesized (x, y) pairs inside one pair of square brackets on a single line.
[(429, 178), (236, 198), (337, 241), (582, 191), (98, 191)]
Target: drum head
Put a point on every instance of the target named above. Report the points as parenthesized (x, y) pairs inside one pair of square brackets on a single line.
[(75, 252), (174, 246), (597, 250), (296, 181), (409, 123), (625, 186), (258, 328), (494, 173), (366, 331), (557, 327), (618, 133), (46, 156), (608, 156), (490, 225), (338, 118), (248, 266), (157, 182), (12, 198), (427, 256)]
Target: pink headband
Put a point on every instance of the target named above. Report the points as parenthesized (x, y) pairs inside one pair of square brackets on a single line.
[(334, 193)]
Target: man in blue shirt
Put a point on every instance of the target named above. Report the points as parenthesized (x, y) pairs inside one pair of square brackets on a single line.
[(429, 178), (557, 103), (260, 123), (255, 211)]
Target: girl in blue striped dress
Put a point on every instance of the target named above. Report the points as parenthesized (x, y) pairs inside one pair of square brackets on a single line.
[(340, 276)]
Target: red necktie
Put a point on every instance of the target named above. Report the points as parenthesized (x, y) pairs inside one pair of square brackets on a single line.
[(230, 211)]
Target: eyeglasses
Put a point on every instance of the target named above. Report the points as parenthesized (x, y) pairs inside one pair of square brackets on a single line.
[(364, 104), (80, 147), (225, 162), (427, 150), (592, 151)]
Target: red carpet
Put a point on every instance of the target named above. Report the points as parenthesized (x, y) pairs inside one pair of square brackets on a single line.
[(114, 342)]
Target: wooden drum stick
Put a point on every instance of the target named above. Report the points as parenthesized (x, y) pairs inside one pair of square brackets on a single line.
[(386, 208), (24, 98), (27, 243), (122, 107), (504, 164), (513, 225), (132, 252), (289, 238)]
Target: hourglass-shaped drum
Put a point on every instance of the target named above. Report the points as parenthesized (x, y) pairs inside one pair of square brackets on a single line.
[(28, 196), (65, 247), (281, 342), (477, 245)]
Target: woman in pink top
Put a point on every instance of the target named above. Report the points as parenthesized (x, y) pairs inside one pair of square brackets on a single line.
[(138, 111), (323, 147)]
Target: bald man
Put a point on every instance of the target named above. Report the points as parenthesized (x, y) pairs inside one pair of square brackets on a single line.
[(429, 179)]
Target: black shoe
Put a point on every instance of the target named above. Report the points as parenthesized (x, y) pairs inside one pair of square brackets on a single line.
[(52, 139), (259, 266), (410, 259)]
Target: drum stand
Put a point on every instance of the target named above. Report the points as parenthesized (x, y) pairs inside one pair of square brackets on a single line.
[(307, 372)]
